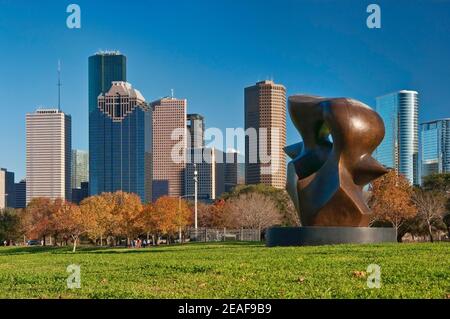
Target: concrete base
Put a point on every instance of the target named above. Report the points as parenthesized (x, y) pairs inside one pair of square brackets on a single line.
[(312, 236)]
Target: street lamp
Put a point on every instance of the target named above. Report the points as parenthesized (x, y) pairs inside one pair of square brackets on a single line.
[(195, 195)]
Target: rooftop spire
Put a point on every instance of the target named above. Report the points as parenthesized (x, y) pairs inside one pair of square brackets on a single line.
[(59, 85)]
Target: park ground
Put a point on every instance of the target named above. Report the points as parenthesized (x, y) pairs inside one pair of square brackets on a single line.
[(228, 270)]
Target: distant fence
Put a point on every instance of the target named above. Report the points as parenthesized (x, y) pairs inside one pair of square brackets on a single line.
[(224, 234)]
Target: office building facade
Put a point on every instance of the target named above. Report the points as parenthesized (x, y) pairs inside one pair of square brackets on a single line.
[(20, 190), (265, 113), (399, 148), (231, 170), (7, 189), (434, 147), (49, 154), (124, 143), (210, 173), (195, 130), (104, 68), (169, 144), (80, 168)]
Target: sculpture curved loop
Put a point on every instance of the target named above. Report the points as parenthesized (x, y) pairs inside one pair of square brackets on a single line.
[(333, 163)]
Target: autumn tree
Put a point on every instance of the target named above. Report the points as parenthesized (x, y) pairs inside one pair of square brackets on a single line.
[(39, 219), (72, 222), (149, 221), (174, 214), (252, 210), (101, 211), (430, 209), (126, 212), (212, 215), (391, 200)]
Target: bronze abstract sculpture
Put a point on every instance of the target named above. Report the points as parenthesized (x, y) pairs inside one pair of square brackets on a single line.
[(333, 163)]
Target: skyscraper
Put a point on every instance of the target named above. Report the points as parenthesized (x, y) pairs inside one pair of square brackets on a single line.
[(80, 168), (20, 190), (231, 171), (124, 141), (210, 169), (169, 145), (434, 147), (196, 130), (399, 149), (7, 189), (49, 147), (104, 68), (265, 112)]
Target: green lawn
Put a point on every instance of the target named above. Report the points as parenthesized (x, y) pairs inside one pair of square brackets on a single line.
[(228, 270)]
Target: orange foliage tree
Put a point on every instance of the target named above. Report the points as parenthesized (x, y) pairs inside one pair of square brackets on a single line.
[(149, 221), (126, 213), (392, 199), (38, 219), (101, 211), (72, 222), (173, 215), (212, 216)]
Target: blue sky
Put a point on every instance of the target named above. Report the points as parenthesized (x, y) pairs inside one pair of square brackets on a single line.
[(209, 50)]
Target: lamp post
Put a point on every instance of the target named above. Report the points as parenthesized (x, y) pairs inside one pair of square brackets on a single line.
[(195, 196)]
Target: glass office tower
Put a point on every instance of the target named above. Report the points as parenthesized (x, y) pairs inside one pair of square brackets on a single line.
[(434, 147), (104, 68), (399, 149), (119, 128), (80, 168), (122, 140)]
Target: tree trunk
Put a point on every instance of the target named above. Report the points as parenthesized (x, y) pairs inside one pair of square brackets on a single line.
[(74, 245), (101, 240), (430, 232)]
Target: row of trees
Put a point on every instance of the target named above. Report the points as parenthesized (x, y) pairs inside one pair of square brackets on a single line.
[(105, 217), (415, 210), (110, 217)]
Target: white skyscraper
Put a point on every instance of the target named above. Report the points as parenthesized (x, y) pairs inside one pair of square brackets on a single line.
[(48, 154)]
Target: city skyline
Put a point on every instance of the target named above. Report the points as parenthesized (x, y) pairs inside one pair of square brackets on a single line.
[(208, 73)]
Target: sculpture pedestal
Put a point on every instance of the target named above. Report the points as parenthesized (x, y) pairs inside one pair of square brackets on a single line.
[(312, 236)]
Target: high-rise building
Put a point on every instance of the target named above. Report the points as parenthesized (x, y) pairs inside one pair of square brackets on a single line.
[(104, 68), (196, 130), (123, 141), (265, 114), (169, 146), (231, 169), (399, 149), (20, 190), (434, 147), (49, 148), (78, 194), (80, 168), (7, 189), (210, 173)]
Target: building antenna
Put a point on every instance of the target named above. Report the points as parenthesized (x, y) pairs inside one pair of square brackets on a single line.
[(59, 85)]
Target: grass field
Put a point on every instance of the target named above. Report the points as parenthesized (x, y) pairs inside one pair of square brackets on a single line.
[(228, 270)]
